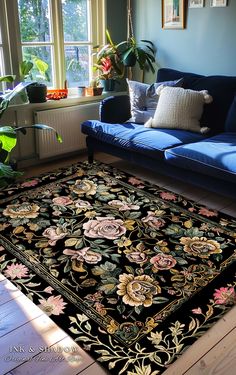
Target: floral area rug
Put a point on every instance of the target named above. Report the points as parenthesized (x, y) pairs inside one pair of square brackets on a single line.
[(134, 273)]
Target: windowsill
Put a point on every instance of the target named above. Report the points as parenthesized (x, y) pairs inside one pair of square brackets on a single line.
[(69, 101)]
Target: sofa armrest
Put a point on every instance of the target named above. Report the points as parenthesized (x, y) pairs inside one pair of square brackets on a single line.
[(115, 109)]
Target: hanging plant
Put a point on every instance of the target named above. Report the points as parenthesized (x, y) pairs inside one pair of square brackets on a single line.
[(143, 54), (134, 52)]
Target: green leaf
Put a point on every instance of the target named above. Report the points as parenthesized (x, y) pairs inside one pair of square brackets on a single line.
[(6, 171), (54, 272), (158, 300), (138, 309), (7, 138), (8, 78), (25, 67), (73, 319), (46, 127), (121, 308), (74, 330), (181, 261), (88, 326), (41, 65), (41, 127)]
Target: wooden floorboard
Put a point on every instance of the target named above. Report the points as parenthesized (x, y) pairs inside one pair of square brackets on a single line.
[(8, 291), (22, 324), (220, 360)]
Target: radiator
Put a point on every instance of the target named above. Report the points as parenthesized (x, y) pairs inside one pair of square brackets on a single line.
[(67, 122)]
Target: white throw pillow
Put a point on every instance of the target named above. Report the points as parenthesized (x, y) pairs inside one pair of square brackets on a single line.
[(179, 108), (143, 99)]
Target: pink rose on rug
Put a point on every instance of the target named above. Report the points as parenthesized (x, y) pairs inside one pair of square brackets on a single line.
[(52, 305), (54, 234), (163, 261), (16, 270), (137, 257), (62, 201), (224, 296), (104, 227), (84, 254), (29, 183), (135, 181), (206, 212), (153, 221), (123, 206), (84, 205), (168, 196)]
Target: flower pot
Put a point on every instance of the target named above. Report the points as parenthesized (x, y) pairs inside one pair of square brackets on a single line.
[(37, 93), (108, 84), (130, 60), (93, 91)]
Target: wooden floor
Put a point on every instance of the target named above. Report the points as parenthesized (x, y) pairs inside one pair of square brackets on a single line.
[(24, 327)]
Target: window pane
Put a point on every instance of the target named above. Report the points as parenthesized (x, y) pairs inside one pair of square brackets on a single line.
[(44, 54), (34, 20), (75, 20), (77, 65), (2, 84)]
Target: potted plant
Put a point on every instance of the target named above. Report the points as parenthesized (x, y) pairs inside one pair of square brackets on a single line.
[(133, 51), (109, 63), (37, 70), (8, 134), (94, 89), (141, 53)]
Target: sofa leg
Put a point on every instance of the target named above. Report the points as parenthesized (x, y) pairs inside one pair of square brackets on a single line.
[(90, 157)]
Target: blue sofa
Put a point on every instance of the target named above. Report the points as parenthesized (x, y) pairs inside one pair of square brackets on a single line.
[(207, 161)]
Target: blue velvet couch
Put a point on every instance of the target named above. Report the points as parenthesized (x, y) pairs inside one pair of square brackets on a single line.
[(207, 161)]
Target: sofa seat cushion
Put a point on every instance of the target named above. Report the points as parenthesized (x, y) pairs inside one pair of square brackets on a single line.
[(215, 156), (134, 137)]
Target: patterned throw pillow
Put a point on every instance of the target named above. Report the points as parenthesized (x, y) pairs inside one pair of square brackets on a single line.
[(179, 108), (143, 99)]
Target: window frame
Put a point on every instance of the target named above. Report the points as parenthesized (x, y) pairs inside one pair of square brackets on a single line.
[(12, 45)]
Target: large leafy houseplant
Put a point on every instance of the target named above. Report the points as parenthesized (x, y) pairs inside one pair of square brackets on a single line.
[(108, 60), (139, 52), (8, 134)]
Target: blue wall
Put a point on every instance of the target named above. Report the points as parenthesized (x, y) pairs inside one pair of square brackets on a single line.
[(206, 46)]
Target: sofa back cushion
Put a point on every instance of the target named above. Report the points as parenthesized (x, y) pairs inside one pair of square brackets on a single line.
[(230, 123), (221, 88)]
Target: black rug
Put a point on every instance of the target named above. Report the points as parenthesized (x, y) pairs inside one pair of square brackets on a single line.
[(134, 273)]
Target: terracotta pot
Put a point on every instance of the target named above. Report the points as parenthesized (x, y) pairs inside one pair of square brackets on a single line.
[(93, 91)]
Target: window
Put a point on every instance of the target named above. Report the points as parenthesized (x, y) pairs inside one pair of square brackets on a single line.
[(60, 33), (4, 52), (1, 56)]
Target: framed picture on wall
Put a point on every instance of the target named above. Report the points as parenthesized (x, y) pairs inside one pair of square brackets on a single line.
[(218, 3), (173, 14), (196, 3)]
